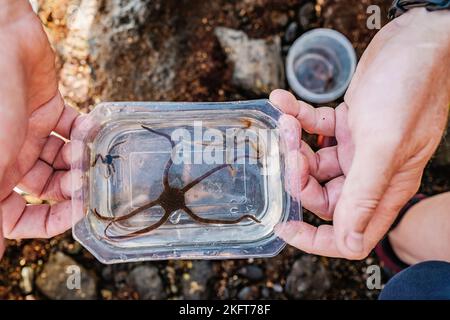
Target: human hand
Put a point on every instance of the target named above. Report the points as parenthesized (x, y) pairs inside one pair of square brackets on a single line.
[(387, 129), (31, 109)]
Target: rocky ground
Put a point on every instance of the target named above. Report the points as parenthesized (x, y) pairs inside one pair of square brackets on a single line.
[(184, 50)]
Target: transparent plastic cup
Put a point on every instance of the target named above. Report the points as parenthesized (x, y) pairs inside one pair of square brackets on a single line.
[(183, 180), (320, 65)]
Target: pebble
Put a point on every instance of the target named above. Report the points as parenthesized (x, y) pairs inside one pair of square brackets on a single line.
[(291, 32), (257, 63), (277, 288), (251, 272), (120, 279), (62, 278), (73, 248), (308, 279), (107, 273), (245, 293), (307, 15), (26, 283), (147, 282), (265, 292), (195, 283), (106, 294)]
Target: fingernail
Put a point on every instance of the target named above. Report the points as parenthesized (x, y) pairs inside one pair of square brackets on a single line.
[(286, 230), (283, 230), (354, 241), (278, 228)]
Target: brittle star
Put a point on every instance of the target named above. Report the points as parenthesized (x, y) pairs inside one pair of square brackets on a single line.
[(171, 200), (108, 160)]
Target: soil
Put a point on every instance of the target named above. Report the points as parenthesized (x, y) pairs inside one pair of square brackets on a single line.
[(201, 73)]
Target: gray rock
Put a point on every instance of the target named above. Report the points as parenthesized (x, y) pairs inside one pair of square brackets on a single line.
[(146, 281), (107, 273), (307, 15), (277, 288), (291, 32), (129, 61), (251, 272), (63, 278), (257, 63), (308, 279), (442, 154), (265, 293), (245, 293), (195, 285), (121, 279)]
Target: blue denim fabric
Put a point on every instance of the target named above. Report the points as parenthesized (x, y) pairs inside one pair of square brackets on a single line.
[(428, 280)]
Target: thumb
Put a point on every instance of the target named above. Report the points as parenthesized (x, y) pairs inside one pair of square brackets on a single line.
[(295, 170), (13, 125), (365, 185)]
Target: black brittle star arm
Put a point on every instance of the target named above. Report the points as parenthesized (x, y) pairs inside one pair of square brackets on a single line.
[(126, 216), (98, 156), (113, 220), (197, 218), (152, 227), (169, 162), (116, 145)]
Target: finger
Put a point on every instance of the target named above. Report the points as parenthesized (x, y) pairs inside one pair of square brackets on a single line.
[(34, 221), (63, 158), (44, 118), (290, 132), (66, 121), (313, 120), (296, 171), (344, 136), (300, 183), (46, 183), (52, 148), (323, 164), (321, 200), (315, 240), (74, 153), (13, 115), (366, 183), (70, 153)]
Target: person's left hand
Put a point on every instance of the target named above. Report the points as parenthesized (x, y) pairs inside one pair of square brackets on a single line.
[(31, 108)]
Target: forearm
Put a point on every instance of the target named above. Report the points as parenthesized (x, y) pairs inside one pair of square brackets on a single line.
[(421, 37), (431, 26)]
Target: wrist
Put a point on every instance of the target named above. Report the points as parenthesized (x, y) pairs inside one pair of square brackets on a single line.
[(437, 18)]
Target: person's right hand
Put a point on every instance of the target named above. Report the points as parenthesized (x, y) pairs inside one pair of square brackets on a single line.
[(397, 104)]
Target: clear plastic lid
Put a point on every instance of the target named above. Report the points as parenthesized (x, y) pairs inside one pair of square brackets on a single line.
[(182, 180)]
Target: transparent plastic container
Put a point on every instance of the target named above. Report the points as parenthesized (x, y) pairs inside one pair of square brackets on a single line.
[(320, 65), (157, 181)]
